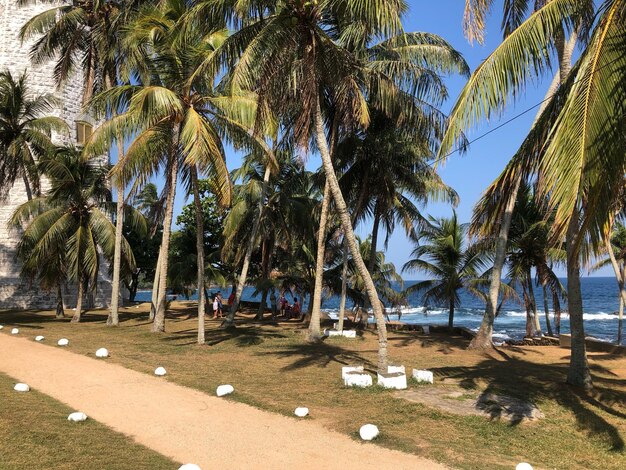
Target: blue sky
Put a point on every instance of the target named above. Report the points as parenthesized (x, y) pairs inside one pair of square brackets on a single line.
[(471, 173)]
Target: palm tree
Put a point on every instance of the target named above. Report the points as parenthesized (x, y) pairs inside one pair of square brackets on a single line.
[(287, 53), (443, 253), (85, 37), (25, 131), (68, 227)]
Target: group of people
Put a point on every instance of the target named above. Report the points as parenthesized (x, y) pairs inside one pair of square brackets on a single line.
[(218, 308), (286, 310)]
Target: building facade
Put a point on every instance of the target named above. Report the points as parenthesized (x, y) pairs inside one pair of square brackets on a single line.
[(14, 56)]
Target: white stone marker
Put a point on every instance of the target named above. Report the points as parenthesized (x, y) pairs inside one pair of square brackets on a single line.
[(160, 371), (349, 333), (347, 369), (356, 379), (77, 417), (368, 432), (189, 466), (224, 390), (395, 380), (329, 333), (426, 329), (301, 412), (15, 331), (20, 387), (423, 376), (102, 352), (394, 369), (524, 466), (63, 342), (39, 338)]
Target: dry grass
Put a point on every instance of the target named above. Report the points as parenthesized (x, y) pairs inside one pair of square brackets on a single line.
[(35, 433), (273, 368)]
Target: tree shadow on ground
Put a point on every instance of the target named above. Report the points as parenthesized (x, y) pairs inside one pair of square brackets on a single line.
[(534, 382), (242, 337)]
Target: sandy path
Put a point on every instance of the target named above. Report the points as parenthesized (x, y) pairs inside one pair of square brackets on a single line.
[(187, 425)]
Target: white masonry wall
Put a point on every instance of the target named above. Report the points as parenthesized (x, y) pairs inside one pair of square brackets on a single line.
[(14, 56)]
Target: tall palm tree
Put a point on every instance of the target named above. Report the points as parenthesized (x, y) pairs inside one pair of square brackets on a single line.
[(443, 253), (25, 130), (288, 54), (68, 227)]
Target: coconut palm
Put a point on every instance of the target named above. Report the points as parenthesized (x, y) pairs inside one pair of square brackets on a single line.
[(68, 229), (25, 130), (443, 253), (293, 57)]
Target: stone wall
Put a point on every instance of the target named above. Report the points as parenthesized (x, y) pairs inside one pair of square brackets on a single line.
[(14, 56)]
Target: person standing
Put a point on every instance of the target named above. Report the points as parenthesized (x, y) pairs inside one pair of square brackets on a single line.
[(273, 304), (283, 303), (215, 307)]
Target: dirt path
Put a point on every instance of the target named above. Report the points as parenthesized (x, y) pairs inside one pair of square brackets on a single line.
[(187, 425)]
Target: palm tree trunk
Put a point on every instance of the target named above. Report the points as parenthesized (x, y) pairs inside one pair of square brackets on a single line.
[(155, 286), (229, 322), (314, 333), (159, 318), (346, 222), (374, 243), (533, 305), (546, 308), (556, 304), (113, 319), (200, 252), (621, 281), (79, 301), (620, 315), (27, 187), (529, 323), (578, 373), (262, 305), (482, 340), (451, 317), (344, 287), (60, 312)]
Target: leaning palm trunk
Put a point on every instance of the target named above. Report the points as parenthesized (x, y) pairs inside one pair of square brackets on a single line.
[(620, 275), (159, 318), (533, 304), (60, 312), (556, 304), (346, 223), (314, 325), (546, 308), (578, 373), (344, 287), (241, 282), (155, 286), (200, 249), (79, 301), (113, 319)]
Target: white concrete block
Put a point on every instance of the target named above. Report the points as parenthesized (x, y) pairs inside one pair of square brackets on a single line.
[(15, 331), (189, 466), (349, 333), (102, 352), (160, 371), (394, 369), (426, 329), (301, 412), (63, 342), (395, 380), (356, 379), (224, 390), (39, 338), (77, 417), (20, 387), (368, 432), (425, 376), (329, 333), (523, 466), (347, 369)]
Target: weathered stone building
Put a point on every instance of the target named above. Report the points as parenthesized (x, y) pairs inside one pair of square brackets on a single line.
[(14, 56)]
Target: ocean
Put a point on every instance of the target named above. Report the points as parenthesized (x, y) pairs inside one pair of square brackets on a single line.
[(600, 304)]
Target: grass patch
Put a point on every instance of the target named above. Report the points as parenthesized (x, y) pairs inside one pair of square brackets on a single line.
[(272, 367), (35, 433)]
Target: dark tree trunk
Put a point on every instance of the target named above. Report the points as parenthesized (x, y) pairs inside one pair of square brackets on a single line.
[(546, 308), (60, 312), (79, 301), (533, 305), (451, 317), (200, 253)]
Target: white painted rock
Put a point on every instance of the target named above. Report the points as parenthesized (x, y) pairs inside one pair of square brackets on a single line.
[(224, 390), (368, 432), (21, 388), (77, 416), (423, 376), (356, 379), (1, 327), (160, 371), (102, 352), (349, 333), (39, 338), (63, 342), (524, 466), (395, 380), (301, 412), (189, 466), (347, 369), (15, 331), (328, 332), (426, 329), (394, 369)]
